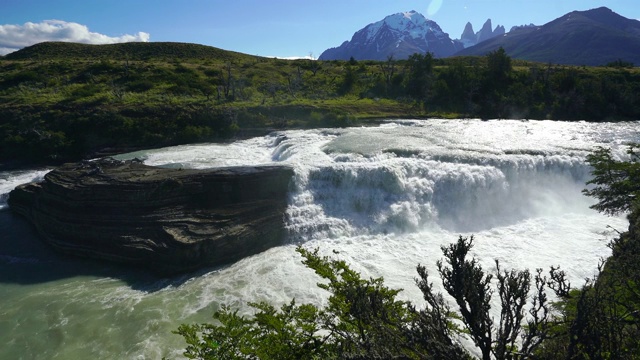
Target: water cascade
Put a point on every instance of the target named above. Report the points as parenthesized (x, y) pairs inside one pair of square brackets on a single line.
[(382, 198)]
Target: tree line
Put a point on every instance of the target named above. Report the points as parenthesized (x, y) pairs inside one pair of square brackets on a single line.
[(492, 87)]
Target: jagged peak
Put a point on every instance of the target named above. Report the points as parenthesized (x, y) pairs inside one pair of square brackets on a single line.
[(487, 24), (468, 29), (468, 36)]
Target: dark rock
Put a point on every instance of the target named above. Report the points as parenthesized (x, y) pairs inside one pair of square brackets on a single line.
[(169, 220)]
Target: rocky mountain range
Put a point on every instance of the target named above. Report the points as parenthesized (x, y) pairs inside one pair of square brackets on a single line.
[(591, 37), (399, 35)]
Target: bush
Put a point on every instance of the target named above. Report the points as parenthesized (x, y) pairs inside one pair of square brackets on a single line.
[(363, 320)]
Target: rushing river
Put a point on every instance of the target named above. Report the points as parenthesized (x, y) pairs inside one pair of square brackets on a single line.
[(384, 198)]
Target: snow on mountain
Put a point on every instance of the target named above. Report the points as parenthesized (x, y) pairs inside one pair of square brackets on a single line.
[(399, 35)]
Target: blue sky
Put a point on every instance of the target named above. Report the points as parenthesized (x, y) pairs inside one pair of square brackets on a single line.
[(282, 28)]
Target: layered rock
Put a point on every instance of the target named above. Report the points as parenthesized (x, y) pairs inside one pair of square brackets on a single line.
[(169, 220)]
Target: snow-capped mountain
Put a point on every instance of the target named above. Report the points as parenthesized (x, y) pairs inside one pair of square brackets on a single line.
[(399, 35), (470, 38)]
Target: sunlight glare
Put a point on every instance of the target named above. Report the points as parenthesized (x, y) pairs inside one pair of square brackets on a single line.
[(434, 6)]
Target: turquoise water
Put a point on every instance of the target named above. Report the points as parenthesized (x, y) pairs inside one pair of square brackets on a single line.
[(385, 198)]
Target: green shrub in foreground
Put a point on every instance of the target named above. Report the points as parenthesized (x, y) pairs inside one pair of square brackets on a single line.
[(364, 320)]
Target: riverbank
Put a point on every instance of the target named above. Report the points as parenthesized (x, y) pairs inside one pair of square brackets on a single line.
[(64, 102)]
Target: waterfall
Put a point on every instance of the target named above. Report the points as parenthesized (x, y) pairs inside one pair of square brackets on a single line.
[(383, 199)]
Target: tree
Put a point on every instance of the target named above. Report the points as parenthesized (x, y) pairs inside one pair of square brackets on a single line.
[(348, 81), (616, 183), (388, 69), (495, 96), (420, 75), (465, 280), (499, 65), (601, 320), (604, 316)]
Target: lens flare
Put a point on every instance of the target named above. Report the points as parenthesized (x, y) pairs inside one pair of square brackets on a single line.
[(434, 6)]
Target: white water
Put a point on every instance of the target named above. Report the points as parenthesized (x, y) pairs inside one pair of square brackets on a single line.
[(385, 198)]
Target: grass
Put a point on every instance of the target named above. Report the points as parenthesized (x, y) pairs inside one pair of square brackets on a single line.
[(50, 90)]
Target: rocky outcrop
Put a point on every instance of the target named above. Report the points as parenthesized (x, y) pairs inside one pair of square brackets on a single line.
[(169, 220), (469, 38)]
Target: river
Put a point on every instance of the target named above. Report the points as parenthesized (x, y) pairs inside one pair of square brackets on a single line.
[(382, 198)]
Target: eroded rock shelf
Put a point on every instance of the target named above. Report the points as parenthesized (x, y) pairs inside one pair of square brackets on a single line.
[(168, 220)]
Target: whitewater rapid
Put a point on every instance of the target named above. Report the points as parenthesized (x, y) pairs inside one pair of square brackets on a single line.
[(382, 198)]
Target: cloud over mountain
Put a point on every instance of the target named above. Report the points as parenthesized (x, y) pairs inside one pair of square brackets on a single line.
[(15, 37)]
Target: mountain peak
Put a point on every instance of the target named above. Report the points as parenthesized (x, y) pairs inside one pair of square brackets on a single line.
[(610, 18), (408, 20), (401, 35), (469, 38), (599, 10), (468, 31), (486, 32)]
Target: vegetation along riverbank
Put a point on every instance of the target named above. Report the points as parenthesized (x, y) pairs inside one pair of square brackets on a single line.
[(65, 101)]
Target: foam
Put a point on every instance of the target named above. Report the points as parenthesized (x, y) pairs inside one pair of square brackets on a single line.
[(10, 179), (383, 198)]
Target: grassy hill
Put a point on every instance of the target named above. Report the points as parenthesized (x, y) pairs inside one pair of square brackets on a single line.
[(61, 101), (64, 101), (141, 51)]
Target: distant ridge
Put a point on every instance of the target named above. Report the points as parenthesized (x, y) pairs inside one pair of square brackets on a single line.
[(130, 50), (593, 37)]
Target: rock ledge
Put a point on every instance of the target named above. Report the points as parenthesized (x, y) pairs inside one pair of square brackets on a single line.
[(169, 220)]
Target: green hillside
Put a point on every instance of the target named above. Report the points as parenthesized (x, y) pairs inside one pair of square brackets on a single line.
[(65, 101), (142, 51)]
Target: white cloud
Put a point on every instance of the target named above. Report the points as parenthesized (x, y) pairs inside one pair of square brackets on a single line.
[(15, 37)]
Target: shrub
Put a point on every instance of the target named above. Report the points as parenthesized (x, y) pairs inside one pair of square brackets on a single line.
[(617, 183)]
